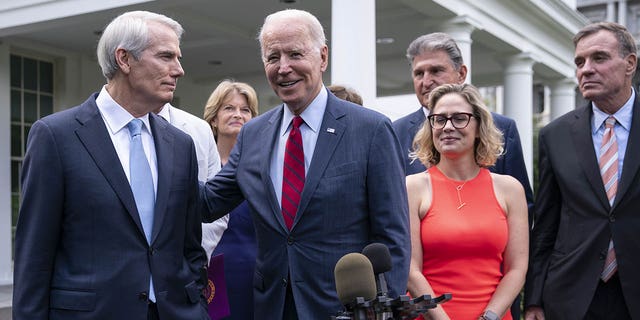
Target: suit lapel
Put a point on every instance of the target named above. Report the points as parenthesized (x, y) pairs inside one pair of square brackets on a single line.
[(95, 137), (417, 120), (325, 146), (163, 141), (632, 154), (581, 135), (268, 137)]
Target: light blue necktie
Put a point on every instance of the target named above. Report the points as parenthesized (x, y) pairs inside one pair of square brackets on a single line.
[(141, 184)]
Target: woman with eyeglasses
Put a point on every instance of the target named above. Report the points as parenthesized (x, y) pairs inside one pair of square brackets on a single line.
[(469, 228)]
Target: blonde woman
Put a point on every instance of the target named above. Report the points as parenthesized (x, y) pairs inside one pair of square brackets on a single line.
[(230, 106), (469, 229)]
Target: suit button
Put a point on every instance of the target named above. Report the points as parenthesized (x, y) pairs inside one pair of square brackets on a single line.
[(152, 251), (142, 296), (602, 255), (284, 282), (289, 240), (612, 218)]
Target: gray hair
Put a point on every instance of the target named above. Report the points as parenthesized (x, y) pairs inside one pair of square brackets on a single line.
[(436, 41), (129, 31), (312, 25), (626, 42)]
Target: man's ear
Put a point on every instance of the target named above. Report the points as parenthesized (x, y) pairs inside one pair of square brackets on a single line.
[(324, 55), (122, 59), (462, 74), (632, 63)]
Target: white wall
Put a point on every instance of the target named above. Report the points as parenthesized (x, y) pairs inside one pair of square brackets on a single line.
[(396, 107)]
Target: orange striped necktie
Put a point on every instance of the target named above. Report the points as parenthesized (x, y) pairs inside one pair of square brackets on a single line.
[(609, 170)]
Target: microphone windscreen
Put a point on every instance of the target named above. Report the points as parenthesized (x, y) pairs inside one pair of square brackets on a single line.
[(354, 278), (379, 256)]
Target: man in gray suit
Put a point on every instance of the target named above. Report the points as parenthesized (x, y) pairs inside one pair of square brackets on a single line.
[(345, 189), (108, 226)]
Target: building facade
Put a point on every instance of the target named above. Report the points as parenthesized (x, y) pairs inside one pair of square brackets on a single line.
[(47, 59)]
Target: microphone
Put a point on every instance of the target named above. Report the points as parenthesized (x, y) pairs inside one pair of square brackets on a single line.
[(380, 258), (355, 285), (365, 297)]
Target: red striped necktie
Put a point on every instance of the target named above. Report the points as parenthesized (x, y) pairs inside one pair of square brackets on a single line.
[(293, 173)]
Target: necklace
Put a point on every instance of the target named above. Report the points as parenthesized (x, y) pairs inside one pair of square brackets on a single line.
[(458, 189)]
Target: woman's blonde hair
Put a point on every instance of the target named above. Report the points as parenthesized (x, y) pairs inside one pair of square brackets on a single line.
[(222, 93), (489, 143)]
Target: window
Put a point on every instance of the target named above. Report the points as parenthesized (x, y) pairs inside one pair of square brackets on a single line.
[(31, 99)]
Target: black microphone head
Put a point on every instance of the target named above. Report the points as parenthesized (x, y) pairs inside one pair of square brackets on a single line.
[(354, 278), (379, 256)]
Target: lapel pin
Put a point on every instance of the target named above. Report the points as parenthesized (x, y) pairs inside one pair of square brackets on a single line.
[(331, 130)]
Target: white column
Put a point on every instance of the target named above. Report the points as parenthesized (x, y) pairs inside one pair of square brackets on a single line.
[(460, 29), (518, 101), (622, 12), (353, 46), (5, 167), (563, 97), (611, 11)]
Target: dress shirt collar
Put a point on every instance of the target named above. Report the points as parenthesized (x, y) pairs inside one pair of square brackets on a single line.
[(312, 115), (425, 111), (623, 115), (165, 113), (114, 115)]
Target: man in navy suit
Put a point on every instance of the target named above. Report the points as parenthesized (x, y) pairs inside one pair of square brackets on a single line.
[(354, 188), (435, 60), (88, 244)]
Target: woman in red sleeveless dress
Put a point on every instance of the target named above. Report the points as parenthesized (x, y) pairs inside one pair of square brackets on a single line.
[(469, 229)]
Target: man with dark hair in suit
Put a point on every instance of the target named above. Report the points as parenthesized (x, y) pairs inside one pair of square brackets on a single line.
[(584, 246), (435, 60), (108, 226), (323, 177)]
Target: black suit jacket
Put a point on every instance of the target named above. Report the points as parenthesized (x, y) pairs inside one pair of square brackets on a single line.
[(574, 221), (80, 250)]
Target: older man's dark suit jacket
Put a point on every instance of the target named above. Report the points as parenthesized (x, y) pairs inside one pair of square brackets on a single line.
[(354, 194), (574, 221), (80, 249), (511, 163)]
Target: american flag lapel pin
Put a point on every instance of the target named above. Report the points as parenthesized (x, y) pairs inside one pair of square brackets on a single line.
[(331, 130)]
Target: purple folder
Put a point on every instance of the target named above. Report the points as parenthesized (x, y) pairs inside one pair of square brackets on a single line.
[(216, 290)]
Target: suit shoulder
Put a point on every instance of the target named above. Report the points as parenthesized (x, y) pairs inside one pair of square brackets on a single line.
[(263, 119), (338, 108), (501, 120), (194, 124), (565, 120), (64, 118), (408, 119), (402, 122), (187, 116)]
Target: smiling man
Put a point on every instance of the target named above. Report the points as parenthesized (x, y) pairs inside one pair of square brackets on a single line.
[(108, 227), (584, 246), (325, 178)]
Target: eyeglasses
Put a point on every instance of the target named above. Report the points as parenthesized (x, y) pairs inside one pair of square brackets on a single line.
[(459, 120)]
